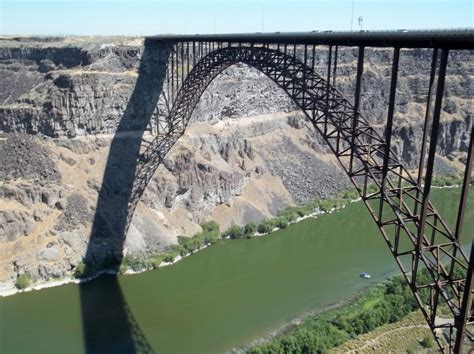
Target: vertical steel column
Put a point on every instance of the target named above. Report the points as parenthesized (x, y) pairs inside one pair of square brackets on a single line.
[(284, 74), (328, 86), (360, 69), (460, 321), (168, 80), (335, 68), (313, 55), (421, 166), (177, 67), (293, 86), (172, 73), (305, 61), (182, 63), (388, 129), (465, 189), (431, 158), (463, 199), (187, 58), (194, 54)]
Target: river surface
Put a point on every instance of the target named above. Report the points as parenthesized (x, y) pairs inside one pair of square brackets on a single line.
[(226, 295)]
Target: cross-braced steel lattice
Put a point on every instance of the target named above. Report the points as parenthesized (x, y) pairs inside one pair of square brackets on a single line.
[(438, 268)]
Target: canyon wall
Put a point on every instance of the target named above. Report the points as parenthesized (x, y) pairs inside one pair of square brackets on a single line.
[(247, 153)]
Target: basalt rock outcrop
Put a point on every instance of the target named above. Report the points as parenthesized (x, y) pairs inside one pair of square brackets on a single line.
[(247, 153)]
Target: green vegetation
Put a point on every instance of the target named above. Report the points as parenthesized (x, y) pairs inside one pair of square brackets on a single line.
[(170, 256), (265, 226), (427, 342), (83, 269), (405, 335), (448, 181), (234, 232), (135, 263), (23, 281), (281, 222), (387, 303), (211, 233), (250, 229)]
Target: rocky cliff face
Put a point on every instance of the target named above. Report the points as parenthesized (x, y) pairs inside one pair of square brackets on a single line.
[(247, 153)]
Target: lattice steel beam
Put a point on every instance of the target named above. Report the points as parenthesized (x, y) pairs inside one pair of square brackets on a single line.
[(400, 206)]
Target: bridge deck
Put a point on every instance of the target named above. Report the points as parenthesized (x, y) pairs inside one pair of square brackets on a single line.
[(449, 38)]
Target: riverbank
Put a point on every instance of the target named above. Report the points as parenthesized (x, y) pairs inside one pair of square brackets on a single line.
[(188, 246), (147, 264), (385, 303)]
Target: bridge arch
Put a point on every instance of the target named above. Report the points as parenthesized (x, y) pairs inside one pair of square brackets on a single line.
[(363, 153), (323, 105)]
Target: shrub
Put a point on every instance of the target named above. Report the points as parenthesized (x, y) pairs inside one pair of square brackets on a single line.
[(210, 231), (210, 226), (282, 222), (156, 261), (301, 211), (180, 248), (427, 342), (350, 194), (265, 226), (372, 188), (249, 230), (195, 242), (83, 269), (170, 256), (134, 263), (23, 281), (290, 213), (234, 232)]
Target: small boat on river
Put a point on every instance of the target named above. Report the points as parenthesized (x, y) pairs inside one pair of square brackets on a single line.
[(365, 275)]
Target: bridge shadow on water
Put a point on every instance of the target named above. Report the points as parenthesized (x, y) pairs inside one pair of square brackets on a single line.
[(108, 323)]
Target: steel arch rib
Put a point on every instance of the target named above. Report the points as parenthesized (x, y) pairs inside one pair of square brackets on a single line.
[(331, 114)]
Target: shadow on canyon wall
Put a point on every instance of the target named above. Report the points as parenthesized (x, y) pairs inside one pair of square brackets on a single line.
[(108, 323)]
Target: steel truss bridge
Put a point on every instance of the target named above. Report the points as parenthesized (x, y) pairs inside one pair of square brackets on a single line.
[(398, 200)]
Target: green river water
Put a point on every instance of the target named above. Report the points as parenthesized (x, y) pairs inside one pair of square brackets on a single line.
[(226, 295)]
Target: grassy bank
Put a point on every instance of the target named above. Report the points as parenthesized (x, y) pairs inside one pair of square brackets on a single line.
[(386, 303)]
